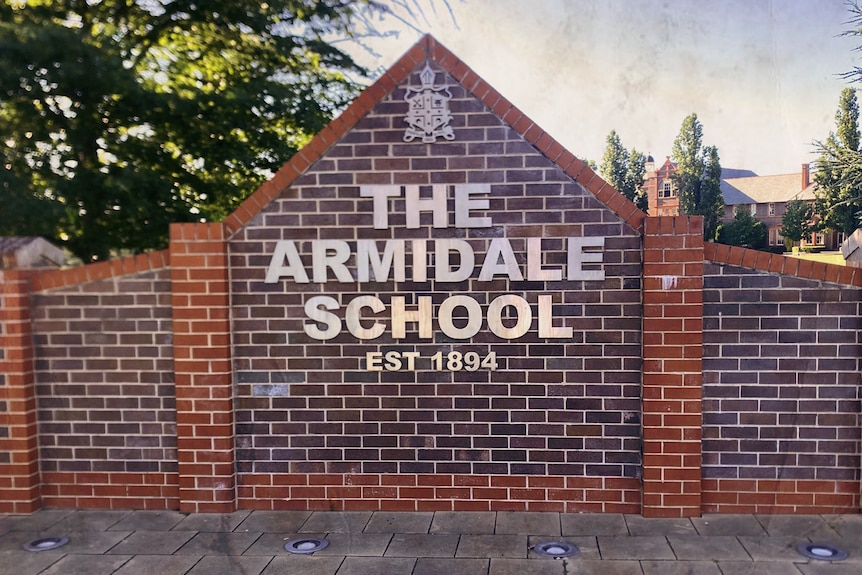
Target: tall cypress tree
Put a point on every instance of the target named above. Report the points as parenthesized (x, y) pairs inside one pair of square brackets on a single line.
[(839, 170), (698, 176), (624, 170)]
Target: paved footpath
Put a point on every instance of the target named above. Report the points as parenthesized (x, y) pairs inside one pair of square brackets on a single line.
[(459, 543)]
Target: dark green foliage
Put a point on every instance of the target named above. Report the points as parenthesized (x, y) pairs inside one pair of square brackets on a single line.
[(698, 176), (118, 117), (624, 170), (745, 230), (797, 222)]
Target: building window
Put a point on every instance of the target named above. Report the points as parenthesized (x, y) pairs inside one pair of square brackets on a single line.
[(819, 239), (771, 209), (753, 208), (666, 190)]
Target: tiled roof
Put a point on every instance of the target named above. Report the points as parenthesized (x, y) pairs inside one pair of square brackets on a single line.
[(765, 189)]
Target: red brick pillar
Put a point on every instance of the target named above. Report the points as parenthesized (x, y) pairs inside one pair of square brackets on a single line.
[(20, 490), (672, 366), (202, 367)]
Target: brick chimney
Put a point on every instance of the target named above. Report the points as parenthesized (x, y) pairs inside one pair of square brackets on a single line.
[(806, 176)]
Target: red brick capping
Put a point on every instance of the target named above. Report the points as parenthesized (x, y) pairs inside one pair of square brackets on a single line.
[(672, 366), (439, 492), (428, 48), (202, 368), (19, 449), (781, 264), (53, 279)]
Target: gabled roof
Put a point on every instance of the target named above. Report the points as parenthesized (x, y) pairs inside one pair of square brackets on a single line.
[(428, 48), (765, 189)]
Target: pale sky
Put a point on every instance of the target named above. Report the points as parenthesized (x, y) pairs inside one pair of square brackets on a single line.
[(762, 75)]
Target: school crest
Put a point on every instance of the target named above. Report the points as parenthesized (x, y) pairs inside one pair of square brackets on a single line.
[(428, 116)]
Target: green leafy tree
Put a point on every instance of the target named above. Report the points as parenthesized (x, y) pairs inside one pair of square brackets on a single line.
[(839, 170), (745, 230), (118, 117), (698, 176), (797, 222), (624, 170)]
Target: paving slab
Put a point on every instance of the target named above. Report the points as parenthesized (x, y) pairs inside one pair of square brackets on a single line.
[(399, 522), (92, 542), (811, 526), (89, 520), (772, 548), (451, 566), (659, 526), (36, 521), (422, 545), (230, 565), (695, 547), (158, 565), (212, 522), (528, 523), (218, 544), (357, 544), (336, 522), (28, 563), (828, 569), (731, 525), (89, 564), (758, 568), (273, 521), (377, 566), (527, 566), (593, 524), (148, 521), (847, 526), (304, 565), (654, 548), (152, 543), (490, 546), (680, 568), (464, 522), (604, 568)]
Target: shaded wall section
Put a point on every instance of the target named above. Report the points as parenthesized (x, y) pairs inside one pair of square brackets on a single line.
[(781, 423), (105, 392)]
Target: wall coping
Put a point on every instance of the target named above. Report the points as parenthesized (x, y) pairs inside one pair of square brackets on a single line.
[(781, 264)]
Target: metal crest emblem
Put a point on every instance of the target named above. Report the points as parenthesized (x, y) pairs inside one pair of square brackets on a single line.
[(428, 117)]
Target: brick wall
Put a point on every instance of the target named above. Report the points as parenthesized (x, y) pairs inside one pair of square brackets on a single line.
[(105, 392), (782, 361), (183, 379), (567, 409)]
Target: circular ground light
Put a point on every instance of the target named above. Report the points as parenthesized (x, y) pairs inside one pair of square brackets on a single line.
[(555, 549), (821, 551), (46, 543), (306, 545)]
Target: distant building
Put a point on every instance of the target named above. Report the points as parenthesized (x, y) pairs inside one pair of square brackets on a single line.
[(765, 197)]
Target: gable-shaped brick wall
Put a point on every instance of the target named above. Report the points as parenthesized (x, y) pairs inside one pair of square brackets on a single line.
[(556, 426)]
